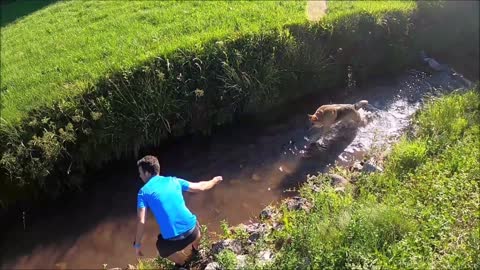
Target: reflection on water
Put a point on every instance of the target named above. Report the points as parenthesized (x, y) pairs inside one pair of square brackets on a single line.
[(258, 164)]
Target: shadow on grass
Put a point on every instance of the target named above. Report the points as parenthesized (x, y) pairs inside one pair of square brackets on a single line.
[(12, 10)]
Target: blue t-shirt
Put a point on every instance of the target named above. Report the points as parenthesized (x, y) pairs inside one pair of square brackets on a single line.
[(163, 195)]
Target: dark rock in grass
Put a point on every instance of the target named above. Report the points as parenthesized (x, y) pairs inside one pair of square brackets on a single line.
[(369, 168), (256, 231), (234, 245), (337, 180), (357, 166), (366, 167), (267, 213), (298, 203)]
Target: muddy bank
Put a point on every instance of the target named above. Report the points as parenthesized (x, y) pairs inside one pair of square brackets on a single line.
[(259, 162)]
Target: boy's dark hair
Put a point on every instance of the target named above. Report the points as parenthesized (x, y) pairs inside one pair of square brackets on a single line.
[(149, 164)]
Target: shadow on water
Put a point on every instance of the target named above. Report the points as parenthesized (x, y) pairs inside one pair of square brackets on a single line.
[(320, 155), (12, 10), (258, 161)]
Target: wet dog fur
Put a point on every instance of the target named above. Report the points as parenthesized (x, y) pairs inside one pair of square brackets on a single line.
[(328, 115)]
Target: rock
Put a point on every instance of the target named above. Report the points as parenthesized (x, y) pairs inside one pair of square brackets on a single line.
[(264, 257), (233, 245), (241, 261), (213, 266), (433, 64), (337, 180), (369, 168), (340, 189), (267, 213), (131, 267), (357, 166), (255, 231), (298, 203)]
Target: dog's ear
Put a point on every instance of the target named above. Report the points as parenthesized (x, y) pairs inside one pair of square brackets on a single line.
[(312, 117)]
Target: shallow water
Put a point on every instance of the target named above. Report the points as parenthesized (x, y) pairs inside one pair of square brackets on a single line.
[(259, 163)]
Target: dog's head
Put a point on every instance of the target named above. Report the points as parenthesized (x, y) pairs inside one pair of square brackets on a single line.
[(315, 120), (312, 117)]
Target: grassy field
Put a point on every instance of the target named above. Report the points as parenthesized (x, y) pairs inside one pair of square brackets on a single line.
[(421, 212), (54, 52), (58, 51)]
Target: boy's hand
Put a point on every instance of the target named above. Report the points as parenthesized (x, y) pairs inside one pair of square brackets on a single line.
[(217, 179)]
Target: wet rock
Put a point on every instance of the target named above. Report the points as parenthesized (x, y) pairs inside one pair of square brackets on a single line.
[(267, 213), (433, 64), (234, 245), (255, 231), (298, 203), (213, 266), (337, 180)]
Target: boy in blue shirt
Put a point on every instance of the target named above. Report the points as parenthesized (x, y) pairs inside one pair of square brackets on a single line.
[(180, 231)]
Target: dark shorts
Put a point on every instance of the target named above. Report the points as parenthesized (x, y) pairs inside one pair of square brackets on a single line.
[(168, 247)]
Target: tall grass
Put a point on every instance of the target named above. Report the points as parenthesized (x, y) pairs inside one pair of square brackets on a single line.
[(420, 213)]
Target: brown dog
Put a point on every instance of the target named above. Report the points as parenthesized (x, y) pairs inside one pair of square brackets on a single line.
[(327, 115)]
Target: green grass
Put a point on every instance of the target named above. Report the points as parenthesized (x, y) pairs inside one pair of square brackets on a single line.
[(54, 52), (339, 9), (59, 50), (420, 213)]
